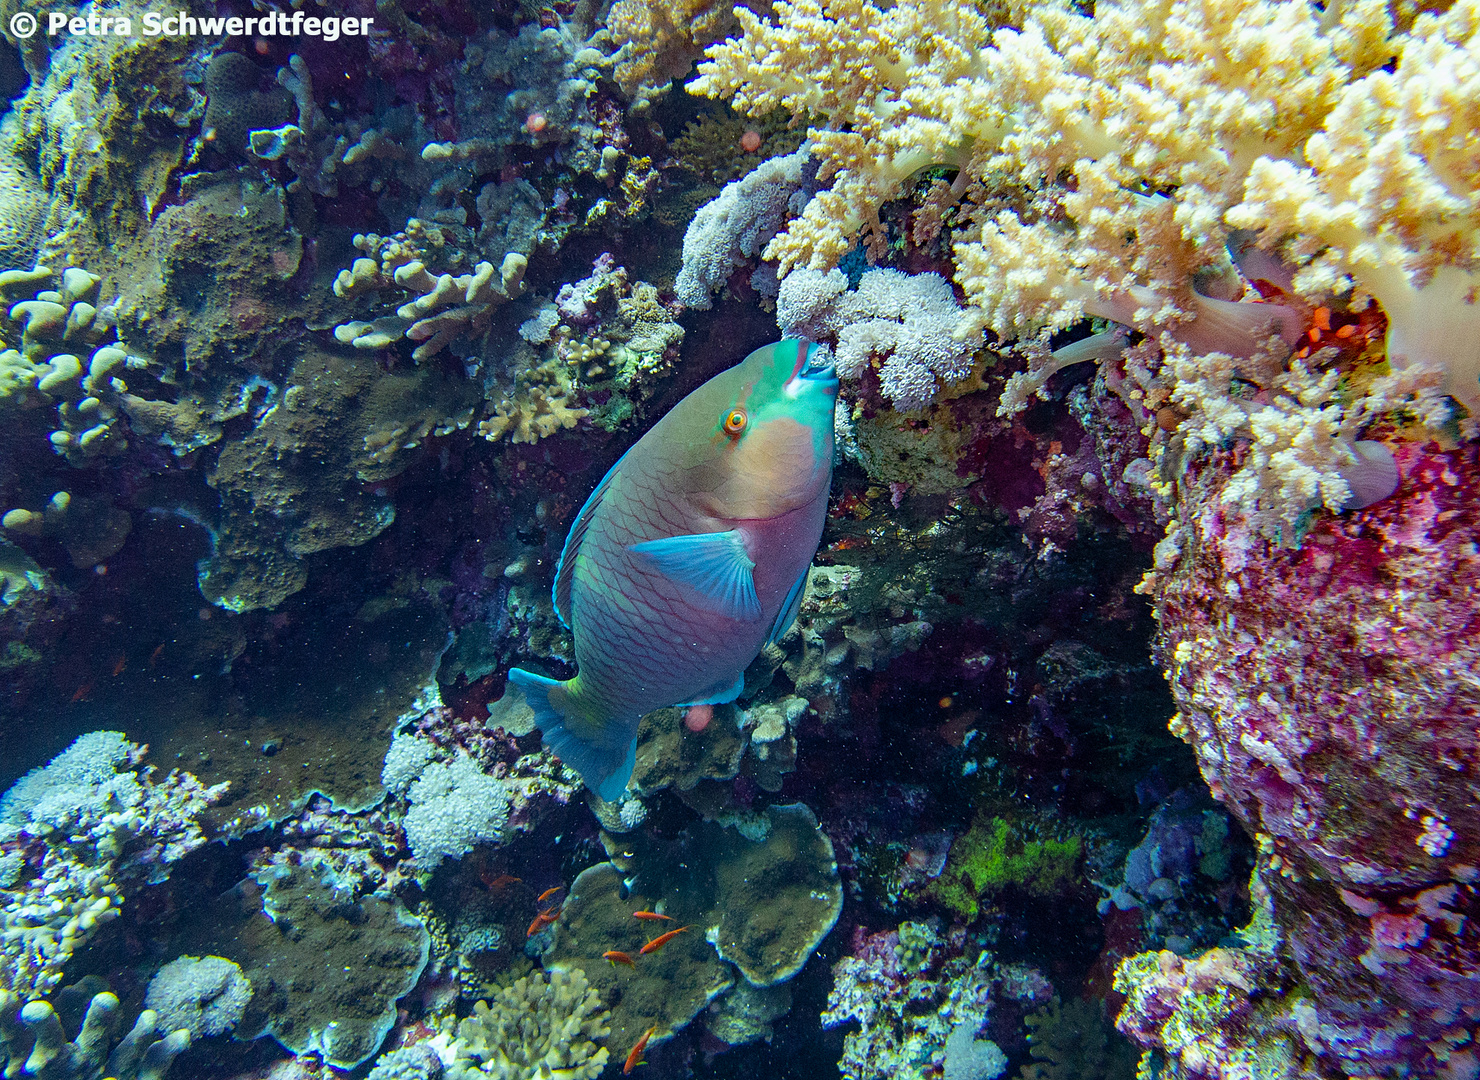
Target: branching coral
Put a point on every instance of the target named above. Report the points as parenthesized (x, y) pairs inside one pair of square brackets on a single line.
[(89, 826), (442, 309), (1105, 162), (540, 1026)]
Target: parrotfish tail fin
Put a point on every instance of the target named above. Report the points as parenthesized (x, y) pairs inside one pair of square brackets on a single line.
[(576, 740)]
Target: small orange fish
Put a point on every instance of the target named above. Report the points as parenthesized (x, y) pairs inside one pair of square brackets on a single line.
[(651, 916), (542, 920), (154, 656), (614, 957), (547, 894), (632, 1058), (83, 692), (119, 666), (661, 940)]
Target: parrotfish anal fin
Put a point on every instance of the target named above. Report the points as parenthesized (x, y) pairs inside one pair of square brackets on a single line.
[(788, 613), (565, 569), (715, 565), (604, 769), (721, 693)]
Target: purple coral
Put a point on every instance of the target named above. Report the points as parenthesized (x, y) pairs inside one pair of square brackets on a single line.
[(1330, 696)]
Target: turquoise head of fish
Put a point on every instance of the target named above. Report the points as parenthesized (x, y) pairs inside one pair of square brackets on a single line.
[(760, 438)]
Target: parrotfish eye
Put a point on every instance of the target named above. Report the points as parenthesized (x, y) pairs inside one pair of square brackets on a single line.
[(734, 422)]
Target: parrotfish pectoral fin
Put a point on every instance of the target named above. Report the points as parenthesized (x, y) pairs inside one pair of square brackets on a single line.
[(604, 769), (788, 613), (721, 693), (715, 565)]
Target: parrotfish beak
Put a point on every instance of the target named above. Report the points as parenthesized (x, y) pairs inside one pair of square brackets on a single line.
[(815, 366)]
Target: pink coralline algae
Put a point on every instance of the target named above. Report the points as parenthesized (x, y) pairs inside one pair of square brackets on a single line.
[(1330, 692)]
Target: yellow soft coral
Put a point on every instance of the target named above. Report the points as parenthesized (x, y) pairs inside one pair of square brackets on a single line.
[(1107, 161), (660, 41), (1388, 198)]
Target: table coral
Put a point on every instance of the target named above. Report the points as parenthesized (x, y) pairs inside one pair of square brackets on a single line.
[(540, 1026), (325, 966), (767, 894), (667, 990)]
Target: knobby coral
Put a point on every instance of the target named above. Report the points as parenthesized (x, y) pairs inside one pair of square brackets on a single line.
[(541, 1026)]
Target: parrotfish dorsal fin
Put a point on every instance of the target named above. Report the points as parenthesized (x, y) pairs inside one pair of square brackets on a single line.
[(715, 565), (565, 569)]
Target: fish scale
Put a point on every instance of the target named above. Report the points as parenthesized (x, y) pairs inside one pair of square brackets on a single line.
[(686, 557)]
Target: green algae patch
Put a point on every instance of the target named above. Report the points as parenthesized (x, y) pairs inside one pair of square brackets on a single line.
[(994, 857)]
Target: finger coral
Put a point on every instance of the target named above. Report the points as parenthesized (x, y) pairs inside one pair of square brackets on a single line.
[(33, 1042), (542, 1025)]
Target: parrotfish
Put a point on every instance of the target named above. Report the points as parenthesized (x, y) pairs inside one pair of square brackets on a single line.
[(691, 554)]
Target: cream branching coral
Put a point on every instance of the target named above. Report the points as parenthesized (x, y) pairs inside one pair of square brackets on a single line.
[(1106, 164), (1387, 199), (542, 1026)]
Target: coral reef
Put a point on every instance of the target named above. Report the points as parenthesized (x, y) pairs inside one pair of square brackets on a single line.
[(539, 1026), (1351, 789), (79, 835), (33, 1042), (735, 227), (911, 1019)]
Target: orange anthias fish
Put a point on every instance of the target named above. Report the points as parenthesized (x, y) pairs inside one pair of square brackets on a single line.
[(542, 920), (651, 916), (615, 957), (548, 893), (641, 1045), (661, 940)]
